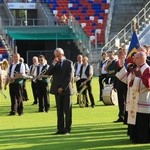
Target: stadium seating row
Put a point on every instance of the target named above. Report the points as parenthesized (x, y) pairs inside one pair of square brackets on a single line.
[(91, 14)]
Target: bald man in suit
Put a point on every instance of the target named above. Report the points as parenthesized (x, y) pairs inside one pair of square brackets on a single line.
[(62, 87)]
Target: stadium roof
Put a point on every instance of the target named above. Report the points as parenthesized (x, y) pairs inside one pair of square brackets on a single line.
[(42, 33)]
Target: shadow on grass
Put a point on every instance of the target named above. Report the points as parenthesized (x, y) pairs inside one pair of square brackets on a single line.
[(92, 136), (28, 108)]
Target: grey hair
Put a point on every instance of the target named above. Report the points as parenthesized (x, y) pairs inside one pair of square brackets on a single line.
[(60, 50), (142, 54)]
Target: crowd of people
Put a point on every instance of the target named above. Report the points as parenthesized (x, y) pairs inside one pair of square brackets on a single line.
[(131, 82), (64, 19)]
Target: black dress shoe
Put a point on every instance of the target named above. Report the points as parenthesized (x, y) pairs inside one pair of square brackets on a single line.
[(86, 105), (41, 111), (120, 119), (11, 114), (59, 132), (101, 99), (47, 111), (92, 106), (20, 114), (34, 103)]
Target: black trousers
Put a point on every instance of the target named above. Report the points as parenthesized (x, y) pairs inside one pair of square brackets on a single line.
[(89, 89), (122, 94), (140, 132), (101, 86), (24, 91), (64, 112), (15, 91), (43, 95), (78, 89), (34, 91)]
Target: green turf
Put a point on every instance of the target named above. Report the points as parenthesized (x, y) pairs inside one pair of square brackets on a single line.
[(92, 128)]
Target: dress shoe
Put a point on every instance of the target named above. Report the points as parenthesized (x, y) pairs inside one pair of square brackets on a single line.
[(46, 111), (40, 111), (34, 103), (120, 119), (11, 114), (67, 133), (59, 132), (86, 105), (20, 114), (25, 99), (101, 99), (92, 106)]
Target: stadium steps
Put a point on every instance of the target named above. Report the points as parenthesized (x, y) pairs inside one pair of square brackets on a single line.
[(48, 13), (123, 12), (3, 13), (126, 38)]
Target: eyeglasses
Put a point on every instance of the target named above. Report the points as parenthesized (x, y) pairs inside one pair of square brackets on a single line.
[(137, 57)]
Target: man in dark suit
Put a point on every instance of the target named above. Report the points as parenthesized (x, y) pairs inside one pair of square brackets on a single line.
[(62, 87)]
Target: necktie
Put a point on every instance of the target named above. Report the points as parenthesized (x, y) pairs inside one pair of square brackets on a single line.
[(59, 65)]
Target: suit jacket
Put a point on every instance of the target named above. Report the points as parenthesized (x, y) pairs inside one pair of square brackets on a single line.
[(62, 77)]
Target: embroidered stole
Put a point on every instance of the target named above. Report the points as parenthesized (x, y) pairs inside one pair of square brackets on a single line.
[(134, 93), (133, 99)]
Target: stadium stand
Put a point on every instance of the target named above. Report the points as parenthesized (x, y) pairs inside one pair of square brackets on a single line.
[(93, 14)]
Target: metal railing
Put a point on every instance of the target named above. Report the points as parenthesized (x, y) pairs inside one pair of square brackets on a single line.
[(83, 39), (107, 30), (20, 1), (11, 17), (23, 22), (44, 13), (127, 31)]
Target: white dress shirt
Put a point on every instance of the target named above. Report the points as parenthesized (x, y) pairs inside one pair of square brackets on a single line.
[(83, 75), (22, 70)]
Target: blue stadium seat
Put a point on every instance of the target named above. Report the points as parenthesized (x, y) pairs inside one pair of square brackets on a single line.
[(94, 24), (1, 45), (104, 1), (93, 31), (97, 14), (48, 1), (43, 1), (101, 17), (78, 18), (83, 11), (87, 18), (64, 12), (5, 56)]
